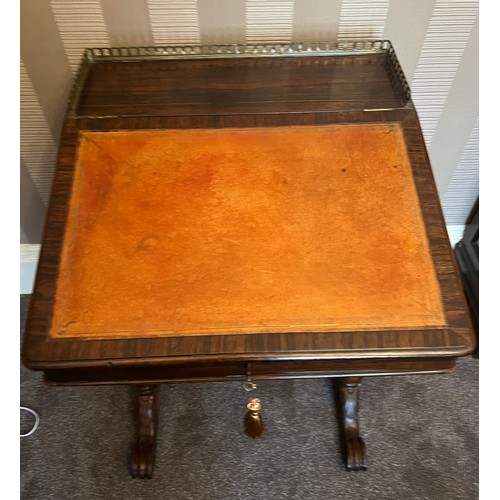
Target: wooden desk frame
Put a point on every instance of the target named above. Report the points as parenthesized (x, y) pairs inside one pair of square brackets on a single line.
[(340, 355)]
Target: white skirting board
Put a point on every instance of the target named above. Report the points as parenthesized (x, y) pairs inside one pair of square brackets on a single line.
[(29, 262), (29, 258)]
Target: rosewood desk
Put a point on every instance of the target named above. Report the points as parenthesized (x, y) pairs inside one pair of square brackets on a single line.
[(241, 213)]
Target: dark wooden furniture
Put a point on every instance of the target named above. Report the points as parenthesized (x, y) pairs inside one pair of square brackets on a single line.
[(467, 255), (244, 212)]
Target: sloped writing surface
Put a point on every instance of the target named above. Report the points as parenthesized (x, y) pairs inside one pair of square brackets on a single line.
[(214, 231)]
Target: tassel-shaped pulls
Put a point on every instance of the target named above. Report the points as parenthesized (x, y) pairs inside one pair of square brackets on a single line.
[(253, 420)]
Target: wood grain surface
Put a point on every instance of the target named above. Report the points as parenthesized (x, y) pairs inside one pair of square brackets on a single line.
[(447, 339), (236, 86)]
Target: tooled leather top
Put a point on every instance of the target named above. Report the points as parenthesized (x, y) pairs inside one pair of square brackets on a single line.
[(286, 229)]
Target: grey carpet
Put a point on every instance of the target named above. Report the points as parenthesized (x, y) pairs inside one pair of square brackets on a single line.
[(421, 434)]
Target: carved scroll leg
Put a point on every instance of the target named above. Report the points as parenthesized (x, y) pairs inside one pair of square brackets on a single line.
[(353, 447), (143, 450)]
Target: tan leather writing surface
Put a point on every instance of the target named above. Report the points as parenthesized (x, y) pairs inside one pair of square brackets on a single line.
[(178, 232)]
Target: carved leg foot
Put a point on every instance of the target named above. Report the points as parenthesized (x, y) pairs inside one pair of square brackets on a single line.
[(353, 446), (143, 450)]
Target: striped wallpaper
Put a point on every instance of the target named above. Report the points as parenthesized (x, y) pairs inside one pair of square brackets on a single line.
[(436, 42)]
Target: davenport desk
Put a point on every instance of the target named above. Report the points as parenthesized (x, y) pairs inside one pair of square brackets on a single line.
[(243, 213)]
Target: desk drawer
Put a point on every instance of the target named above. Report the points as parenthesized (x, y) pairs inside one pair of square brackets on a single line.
[(237, 371)]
